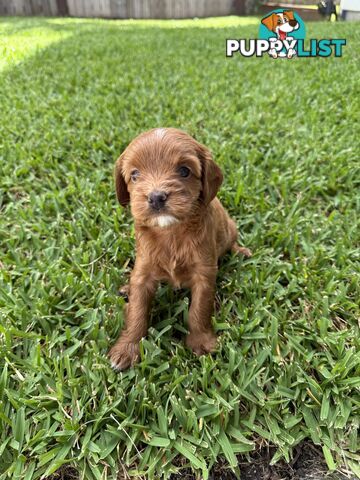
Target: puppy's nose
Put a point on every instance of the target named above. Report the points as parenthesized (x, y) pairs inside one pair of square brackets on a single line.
[(293, 23), (157, 200)]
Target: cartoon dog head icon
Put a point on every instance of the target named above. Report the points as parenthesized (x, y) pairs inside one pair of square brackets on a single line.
[(281, 23)]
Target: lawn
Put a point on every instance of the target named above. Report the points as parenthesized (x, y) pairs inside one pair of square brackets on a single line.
[(73, 93)]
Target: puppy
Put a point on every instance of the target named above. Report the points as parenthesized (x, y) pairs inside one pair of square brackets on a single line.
[(281, 24), (181, 229)]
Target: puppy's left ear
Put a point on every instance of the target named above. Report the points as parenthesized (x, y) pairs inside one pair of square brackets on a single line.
[(211, 175), (290, 14), (120, 184)]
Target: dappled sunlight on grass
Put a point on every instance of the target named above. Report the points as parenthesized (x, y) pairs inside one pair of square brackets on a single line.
[(27, 41), (21, 37)]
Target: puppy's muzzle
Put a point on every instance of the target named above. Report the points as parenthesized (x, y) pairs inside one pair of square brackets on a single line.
[(157, 200), (293, 23)]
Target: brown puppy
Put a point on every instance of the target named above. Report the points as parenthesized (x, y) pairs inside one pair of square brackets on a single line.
[(181, 229)]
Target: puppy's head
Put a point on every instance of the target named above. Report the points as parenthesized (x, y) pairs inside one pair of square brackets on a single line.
[(166, 176), (281, 23)]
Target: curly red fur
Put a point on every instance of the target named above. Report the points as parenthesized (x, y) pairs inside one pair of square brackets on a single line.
[(180, 243)]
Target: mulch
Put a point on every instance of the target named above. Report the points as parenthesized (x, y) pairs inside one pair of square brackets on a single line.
[(307, 464)]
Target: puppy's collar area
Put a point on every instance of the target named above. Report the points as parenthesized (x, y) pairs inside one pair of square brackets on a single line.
[(164, 221)]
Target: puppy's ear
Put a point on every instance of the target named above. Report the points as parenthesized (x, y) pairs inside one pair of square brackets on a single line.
[(290, 14), (211, 175), (270, 21), (120, 184)]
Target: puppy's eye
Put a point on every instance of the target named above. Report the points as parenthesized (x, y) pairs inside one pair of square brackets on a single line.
[(279, 21), (184, 172), (134, 175)]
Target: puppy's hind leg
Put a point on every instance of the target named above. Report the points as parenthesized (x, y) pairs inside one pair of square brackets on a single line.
[(234, 247), (242, 250)]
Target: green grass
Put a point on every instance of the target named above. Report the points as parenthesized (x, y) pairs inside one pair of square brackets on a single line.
[(286, 134)]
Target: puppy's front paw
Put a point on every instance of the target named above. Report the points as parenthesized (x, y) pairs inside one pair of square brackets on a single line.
[(201, 343), (291, 53), (273, 53), (123, 355)]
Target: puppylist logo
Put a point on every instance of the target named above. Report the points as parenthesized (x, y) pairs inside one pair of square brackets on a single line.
[(282, 35)]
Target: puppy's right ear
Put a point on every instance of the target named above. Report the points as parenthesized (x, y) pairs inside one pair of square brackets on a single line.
[(270, 21), (120, 184)]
